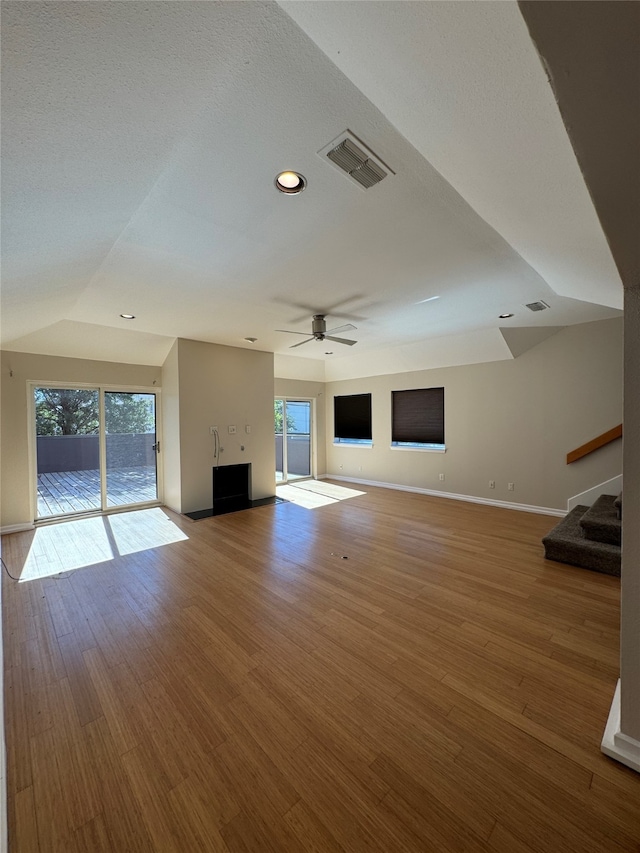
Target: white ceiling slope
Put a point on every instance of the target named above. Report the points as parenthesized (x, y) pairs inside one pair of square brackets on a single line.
[(141, 141), (464, 84)]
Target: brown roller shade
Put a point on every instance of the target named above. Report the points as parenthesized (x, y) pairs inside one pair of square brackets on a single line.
[(418, 416), (352, 416)]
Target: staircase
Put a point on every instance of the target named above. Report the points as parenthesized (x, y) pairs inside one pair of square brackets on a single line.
[(589, 537)]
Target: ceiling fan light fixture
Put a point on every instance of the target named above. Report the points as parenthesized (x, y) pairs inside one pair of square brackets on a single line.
[(290, 183), (319, 333)]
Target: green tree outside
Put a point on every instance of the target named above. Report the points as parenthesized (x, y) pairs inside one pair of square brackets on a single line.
[(278, 416), (129, 413), (66, 411), (63, 411)]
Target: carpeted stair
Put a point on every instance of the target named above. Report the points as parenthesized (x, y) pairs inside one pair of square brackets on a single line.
[(589, 537)]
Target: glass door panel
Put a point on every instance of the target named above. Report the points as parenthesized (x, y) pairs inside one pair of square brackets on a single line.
[(297, 424), (292, 420), (131, 448), (278, 414), (67, 450)]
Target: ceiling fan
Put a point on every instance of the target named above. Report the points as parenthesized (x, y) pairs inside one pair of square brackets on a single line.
[(319, 332)]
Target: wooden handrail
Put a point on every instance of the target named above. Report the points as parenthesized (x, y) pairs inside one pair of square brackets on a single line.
[(594, 444)]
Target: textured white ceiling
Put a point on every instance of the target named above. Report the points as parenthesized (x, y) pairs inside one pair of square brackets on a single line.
[(140, 144), (464, 84)]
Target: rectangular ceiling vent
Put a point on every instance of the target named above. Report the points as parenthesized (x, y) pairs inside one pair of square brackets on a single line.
[(537, 306), (353, 157)]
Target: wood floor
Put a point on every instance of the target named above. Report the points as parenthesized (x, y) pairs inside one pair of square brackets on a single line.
[(389, 673)]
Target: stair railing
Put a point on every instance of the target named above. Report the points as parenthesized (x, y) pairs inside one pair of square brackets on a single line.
[(595, 444)]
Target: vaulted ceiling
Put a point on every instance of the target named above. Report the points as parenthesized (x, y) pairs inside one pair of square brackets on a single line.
[(140, 146)]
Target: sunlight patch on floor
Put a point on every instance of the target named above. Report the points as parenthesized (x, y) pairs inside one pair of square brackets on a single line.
[(83, 542), (312, 494), (143, 529), (66, 546)]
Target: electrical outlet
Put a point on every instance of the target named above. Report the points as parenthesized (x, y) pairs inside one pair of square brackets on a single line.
[(441, 478), (359, 467), (212, 430), (341, 467), (510, 486), (492, 484), (247, 429), (232, 429)]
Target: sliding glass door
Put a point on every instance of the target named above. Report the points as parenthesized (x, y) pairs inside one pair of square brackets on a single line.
[(95, 449), (131, 445), (67, 450), (293, 430)]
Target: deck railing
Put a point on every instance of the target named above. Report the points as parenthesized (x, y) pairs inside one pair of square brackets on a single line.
[(81, 452), (298, 453)]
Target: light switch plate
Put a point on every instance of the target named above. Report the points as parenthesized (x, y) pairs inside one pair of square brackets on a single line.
[(232, 429)]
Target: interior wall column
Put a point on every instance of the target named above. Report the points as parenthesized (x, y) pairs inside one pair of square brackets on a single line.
[(622, 735)]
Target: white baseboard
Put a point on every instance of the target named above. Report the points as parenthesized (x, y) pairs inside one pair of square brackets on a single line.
[(588, 498), (17, 528), (617, 745), (540, 510)]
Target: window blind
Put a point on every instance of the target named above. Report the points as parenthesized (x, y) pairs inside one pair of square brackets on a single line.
[(418, 416), (352, 416)]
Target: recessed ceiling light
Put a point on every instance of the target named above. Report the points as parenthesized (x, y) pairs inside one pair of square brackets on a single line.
[(251, 340), (430, 299), (329, 353), (290, 183), (128, 316), (505, 316)]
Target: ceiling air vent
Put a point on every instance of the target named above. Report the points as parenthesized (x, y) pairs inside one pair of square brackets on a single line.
[(537, 306), (354, 158)]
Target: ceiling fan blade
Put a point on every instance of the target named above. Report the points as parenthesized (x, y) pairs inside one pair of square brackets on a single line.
[(330, 310), (347, 327), (338, 340), (289, 332), (301, 342)]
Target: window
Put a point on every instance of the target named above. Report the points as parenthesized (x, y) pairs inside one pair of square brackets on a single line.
[(418, 418), (352, 419)]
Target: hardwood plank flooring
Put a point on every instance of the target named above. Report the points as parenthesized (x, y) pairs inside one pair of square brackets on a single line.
[(443, 688)]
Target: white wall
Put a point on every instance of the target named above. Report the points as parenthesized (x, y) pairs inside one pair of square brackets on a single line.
[(221, 386), (15, 496), (508, 421), (306, 390), (205, 385), (170, 448), (630, 594)]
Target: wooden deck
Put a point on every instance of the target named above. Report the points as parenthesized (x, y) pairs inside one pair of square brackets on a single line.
[(61, 492)]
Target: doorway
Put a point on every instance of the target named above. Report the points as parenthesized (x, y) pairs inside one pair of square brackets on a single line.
[(293, 421), (95, 449)]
